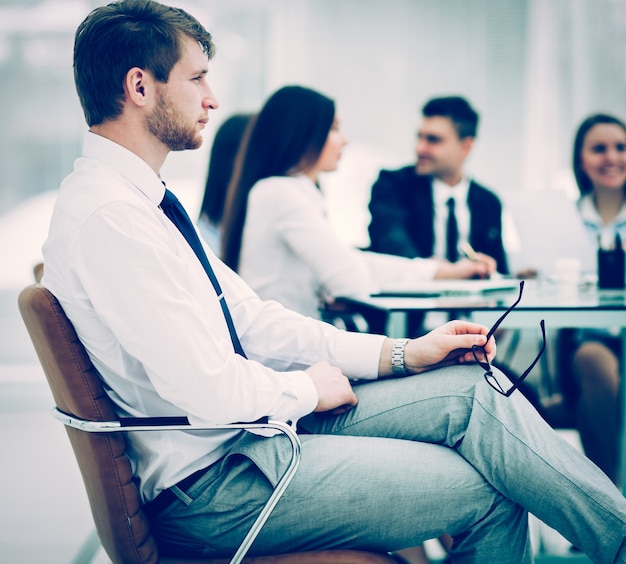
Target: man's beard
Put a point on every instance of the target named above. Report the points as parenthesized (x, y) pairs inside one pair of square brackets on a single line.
[(167, 125)]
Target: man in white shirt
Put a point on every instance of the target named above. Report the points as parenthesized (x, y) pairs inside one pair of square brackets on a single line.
[(387, 463)]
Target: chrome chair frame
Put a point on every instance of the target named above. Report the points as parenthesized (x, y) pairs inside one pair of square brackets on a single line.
[(151, 424)]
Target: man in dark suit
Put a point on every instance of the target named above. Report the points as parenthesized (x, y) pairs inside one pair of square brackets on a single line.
[(410, 207)]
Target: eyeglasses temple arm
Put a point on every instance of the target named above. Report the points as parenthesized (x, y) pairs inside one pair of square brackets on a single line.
[(503, 316), (543, 348)]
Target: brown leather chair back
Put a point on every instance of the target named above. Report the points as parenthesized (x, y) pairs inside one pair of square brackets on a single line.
[(77, 389), (113, 496)]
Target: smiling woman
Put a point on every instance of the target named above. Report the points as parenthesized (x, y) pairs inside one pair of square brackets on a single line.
[(594, 356)]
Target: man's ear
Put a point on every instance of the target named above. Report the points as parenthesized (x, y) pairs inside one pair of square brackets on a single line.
[(138, 86), (466, 145)]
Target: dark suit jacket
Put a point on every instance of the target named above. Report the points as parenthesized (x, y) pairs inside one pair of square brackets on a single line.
[(401, 207)]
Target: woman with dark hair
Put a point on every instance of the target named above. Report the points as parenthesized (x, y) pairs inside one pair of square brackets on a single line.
[(276, 233), (599, 163), (226, 143)]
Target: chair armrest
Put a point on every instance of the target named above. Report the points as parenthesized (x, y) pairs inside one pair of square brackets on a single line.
[(182, 424)]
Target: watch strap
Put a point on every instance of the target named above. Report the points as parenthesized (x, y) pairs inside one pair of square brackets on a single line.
[(398, 366)]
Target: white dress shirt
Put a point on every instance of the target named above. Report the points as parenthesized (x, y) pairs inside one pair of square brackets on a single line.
[(291, 254), (149, 318), (601, 234), (442, 192)]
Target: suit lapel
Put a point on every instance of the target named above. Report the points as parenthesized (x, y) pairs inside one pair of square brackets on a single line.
[(424, 225)]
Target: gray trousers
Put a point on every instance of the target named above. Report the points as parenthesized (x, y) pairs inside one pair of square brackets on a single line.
[(419, 456)]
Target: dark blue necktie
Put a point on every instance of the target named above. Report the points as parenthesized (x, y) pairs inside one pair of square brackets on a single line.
[(452, 233), (174, 210)]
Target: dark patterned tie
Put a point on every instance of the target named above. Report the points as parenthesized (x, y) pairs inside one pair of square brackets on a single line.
[(452, 234), (174, 210)]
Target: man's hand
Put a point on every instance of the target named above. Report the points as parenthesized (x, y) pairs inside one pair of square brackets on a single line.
[(482, 267), (334, 391), (450, 343)]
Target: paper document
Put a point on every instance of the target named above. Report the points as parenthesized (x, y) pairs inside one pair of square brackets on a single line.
[(435, 288)]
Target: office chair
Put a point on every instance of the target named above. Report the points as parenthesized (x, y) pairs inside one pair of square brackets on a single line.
[(97, 438)]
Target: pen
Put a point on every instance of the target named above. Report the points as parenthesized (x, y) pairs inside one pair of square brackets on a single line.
[(469, 252), (472, 255)]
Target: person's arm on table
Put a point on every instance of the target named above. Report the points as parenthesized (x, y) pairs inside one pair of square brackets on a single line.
[(483, 266)]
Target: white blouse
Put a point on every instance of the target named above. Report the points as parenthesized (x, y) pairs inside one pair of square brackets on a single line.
[(291, 254), (600, 233)]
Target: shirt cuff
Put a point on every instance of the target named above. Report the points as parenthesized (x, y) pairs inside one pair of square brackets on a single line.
[(427, 268), (304, 393), (357, 354)]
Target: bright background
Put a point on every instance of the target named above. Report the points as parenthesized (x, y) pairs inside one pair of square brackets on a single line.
[(533, 69)]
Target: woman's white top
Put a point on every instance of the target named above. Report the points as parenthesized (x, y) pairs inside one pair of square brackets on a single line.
[(601, 234), (291, 254), (210, 232)]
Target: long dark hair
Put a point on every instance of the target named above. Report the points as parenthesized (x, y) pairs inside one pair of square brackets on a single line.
[(584, 182), (287, 137), (226, 143)]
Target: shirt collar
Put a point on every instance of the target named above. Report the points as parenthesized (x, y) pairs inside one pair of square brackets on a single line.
[(442, 192), (126, 163), (589, 212), (311, 187)]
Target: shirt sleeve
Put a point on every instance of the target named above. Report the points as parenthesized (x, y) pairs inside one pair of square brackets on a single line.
[(399, 273), (150, 291), (285, 340), (153, 295), (298, 218), (341, 269)]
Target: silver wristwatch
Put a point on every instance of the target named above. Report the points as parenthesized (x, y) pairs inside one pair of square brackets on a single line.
[(398, 367)]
